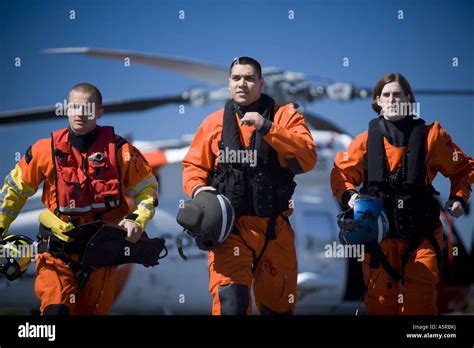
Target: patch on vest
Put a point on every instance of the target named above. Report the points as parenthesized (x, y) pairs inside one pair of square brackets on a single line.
[(298, 108), (28, 155)]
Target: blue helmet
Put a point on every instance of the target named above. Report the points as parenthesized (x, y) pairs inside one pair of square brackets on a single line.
[(366, 223), (364, 204)]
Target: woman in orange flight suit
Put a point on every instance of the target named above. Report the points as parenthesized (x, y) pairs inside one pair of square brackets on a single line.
[(393, 138)]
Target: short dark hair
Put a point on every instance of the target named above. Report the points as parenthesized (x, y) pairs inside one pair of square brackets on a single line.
[(249, 61), (85, 87), (386, 79)]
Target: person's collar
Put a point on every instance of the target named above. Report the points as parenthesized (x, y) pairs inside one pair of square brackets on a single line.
[(397, 132), (241, 109), (82, 142)]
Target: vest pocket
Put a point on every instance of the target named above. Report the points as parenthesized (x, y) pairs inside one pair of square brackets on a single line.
[(283, 196), (263, 195), (106, 191), (415, 215), (232, 185), (73, 176)]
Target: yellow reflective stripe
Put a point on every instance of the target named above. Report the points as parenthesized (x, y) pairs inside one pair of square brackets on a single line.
[(75, 210), (12, 183), (146, 206), (140, 186), (8, 212)]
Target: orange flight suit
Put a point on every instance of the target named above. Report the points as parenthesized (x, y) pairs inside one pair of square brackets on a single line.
[(230, 265), (56, 285), (417, 294)]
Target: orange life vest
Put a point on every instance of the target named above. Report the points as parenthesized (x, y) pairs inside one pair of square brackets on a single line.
[(89, 183)]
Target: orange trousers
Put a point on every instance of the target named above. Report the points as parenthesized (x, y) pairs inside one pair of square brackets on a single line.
[(274, 279), (417, 295), (56, 284)]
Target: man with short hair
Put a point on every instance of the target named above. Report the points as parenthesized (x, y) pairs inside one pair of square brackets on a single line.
[(86, 169), (261, 248)]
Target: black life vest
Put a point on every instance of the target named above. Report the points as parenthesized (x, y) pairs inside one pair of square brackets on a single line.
[(254, 182), (411, 207), (409, 203)]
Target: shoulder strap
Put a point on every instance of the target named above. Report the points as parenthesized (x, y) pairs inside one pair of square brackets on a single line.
[(119, 142), (415, 166), (230, 137), (375, 153), (416, 169), (267, 110)]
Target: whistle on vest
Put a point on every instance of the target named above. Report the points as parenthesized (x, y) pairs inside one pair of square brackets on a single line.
[(56, 225)]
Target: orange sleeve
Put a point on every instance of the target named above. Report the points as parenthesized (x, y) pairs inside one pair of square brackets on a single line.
[(448, 159), (33, 168), (23, 181), (348, 171), (133, 166), (200, 159), (292, 140)]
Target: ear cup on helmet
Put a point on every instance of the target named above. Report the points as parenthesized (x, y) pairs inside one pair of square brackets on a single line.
[(209, 218)]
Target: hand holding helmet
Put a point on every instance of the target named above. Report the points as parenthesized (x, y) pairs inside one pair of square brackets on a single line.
[(352, 200), (365, 223), (208, 218), (454, 207)]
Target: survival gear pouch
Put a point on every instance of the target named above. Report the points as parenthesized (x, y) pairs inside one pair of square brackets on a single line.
[(415, 214), (283, 195), (263, 194), (106, 246), (270, 197), (231, 183), (254, 193)]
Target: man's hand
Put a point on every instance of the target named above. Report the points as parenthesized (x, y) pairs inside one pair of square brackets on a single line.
[(253, 119), (351, 202), (134, 231), (454, 208), (203, 188)]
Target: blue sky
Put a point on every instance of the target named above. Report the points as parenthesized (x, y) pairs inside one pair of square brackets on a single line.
[(368, 32)]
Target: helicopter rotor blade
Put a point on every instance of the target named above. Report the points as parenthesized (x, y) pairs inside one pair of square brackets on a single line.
[(200, 71), (114, 106), (363, 93)]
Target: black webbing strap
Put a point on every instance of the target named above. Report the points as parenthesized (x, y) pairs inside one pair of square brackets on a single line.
[(411, 248), (378, 257), (180, 245), (375, 153), (55, 247), (270, 234)]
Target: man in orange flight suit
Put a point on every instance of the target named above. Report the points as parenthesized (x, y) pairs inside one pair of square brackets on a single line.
[(397, 159), (85, 168), (274, 144)]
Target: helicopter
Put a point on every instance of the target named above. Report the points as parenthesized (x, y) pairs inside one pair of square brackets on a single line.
[(325, 285)]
